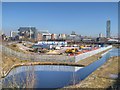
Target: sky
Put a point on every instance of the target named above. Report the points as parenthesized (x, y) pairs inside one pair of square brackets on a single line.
[(85, 18)]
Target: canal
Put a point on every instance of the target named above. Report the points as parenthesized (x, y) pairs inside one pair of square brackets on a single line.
[(52, 76)]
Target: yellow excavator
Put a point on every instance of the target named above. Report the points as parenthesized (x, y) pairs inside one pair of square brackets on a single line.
[(73, 50), (82, 47)]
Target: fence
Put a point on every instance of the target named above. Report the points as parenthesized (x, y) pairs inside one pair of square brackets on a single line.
[(34, 57), (88, 54), (51, 58)]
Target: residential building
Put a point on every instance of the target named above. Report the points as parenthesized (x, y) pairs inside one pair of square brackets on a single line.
[(54, 37), (4, 37), (28, 32), (74, 37), (101, 39), (45, 35), (100, 35), (62, 36), (14, 35), (39, 36)]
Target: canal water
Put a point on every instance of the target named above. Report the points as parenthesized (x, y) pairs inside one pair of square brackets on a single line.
[(52, 76)]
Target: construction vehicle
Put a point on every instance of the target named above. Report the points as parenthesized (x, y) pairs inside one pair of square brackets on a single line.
[(81, 47), (85, 48), (73, 50)]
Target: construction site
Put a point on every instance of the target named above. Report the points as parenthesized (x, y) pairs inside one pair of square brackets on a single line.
[(59, 52), (53, 48)]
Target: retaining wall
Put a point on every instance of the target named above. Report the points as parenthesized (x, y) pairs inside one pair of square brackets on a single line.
[(88, 54)]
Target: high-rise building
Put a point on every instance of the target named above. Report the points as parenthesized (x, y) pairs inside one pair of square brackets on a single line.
[(108, 29)]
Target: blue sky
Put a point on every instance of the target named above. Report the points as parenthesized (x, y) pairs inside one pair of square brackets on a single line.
[(84, 18)]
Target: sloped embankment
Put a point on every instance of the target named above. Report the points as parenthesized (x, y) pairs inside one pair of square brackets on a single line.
[(106, 76)]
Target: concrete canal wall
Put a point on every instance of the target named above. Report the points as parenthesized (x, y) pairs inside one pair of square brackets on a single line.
[(43, 68), (5, 73), (90, 53)]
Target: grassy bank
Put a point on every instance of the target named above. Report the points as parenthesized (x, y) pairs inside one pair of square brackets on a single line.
[(107, 76), (91, 59), (7, 62)]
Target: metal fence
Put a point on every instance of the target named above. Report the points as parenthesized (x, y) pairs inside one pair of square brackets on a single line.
[(50, 58), (34, 57)]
